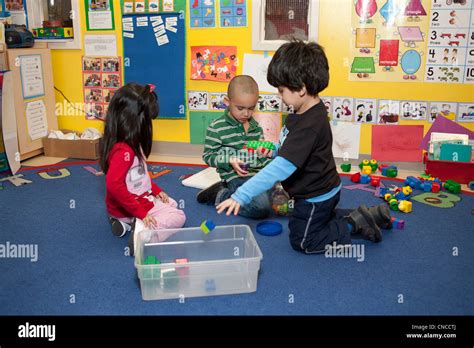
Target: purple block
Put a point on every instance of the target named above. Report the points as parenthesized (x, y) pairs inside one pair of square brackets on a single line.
[(400, 224)]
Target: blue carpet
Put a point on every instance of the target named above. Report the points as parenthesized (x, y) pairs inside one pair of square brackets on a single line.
[(82, 270)]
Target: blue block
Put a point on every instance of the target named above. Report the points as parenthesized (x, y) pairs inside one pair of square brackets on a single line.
[(427, 186), (383, 191), (413, 182), (210, 285), (471, 185), (210, 225), (364, 179)]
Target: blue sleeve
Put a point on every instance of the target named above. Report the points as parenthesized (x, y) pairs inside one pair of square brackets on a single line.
[(278, 170), (275, 150)]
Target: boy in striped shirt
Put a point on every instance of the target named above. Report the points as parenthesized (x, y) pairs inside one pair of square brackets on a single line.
[(224, 148)]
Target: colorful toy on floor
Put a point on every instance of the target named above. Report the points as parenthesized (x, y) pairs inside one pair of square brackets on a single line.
[(365, 179), (355, 177), (346, 167), (471, 185), (207, 226), (398, 223), (452, 186), (269, 228), (368, 166), (405, 206), (390, 171), (281, 203)]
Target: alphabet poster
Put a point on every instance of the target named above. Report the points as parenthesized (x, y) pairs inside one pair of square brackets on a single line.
[(215, 63)]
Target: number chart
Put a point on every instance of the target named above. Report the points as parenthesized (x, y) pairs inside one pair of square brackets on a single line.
[(450, 52)]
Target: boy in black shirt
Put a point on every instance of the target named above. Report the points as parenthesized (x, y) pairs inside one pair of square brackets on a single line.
[(305, 163)]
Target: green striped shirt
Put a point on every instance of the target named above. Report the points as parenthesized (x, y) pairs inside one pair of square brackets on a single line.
[(225, 138)]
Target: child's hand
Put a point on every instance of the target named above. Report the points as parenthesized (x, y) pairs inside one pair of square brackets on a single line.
[(150, 222), (163, 197), (231, 206), (263, 152), (235, 163)]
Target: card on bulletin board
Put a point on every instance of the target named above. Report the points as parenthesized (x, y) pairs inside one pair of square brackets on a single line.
[(214, 63), (397, 143), (99, 14)]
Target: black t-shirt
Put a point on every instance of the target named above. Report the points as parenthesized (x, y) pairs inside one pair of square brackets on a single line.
[(308, 145)]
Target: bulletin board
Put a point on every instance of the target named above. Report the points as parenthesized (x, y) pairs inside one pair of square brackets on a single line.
[(147, 62)]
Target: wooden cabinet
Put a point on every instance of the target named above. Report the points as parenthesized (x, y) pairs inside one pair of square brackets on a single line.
[(28, 96)]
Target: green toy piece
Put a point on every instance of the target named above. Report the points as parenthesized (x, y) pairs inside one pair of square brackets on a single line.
[(151, 273), (452, 186), (253, 144), (392, 173), (346, 167)]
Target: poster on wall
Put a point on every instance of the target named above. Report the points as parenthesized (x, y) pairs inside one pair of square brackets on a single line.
[(214, 63), (466, 112), (202, 14), (450, 53), (233, 13), (102, 76), (36, 120), (388, 40), (99, 14), (445, 109), (31, 73), (153, 6), (217, 101)]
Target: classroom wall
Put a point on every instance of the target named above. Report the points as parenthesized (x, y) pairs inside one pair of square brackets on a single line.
[(334, 35)]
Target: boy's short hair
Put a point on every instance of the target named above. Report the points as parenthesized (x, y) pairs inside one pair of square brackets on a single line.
[(242, 84), (297, 64)]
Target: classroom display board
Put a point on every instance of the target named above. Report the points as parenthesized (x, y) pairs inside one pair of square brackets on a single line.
[(154, 53), (409, 41)]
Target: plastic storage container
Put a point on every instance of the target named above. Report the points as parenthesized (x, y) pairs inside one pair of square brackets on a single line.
[(224, 261), (461, 172)]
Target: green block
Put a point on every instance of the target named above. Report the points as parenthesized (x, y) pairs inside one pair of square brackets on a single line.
[(452, 186), (392, 173), (170, 279), (346, 167)]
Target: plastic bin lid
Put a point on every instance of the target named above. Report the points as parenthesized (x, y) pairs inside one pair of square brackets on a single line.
[(269, 228)]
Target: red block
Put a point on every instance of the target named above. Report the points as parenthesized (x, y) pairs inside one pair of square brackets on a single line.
[(435, 187), (375, 182), (355, 177)]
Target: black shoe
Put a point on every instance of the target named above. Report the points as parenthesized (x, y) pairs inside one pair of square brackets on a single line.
[(131, 243), (363, 223), (119, 228), (382, 216), (208, 195)]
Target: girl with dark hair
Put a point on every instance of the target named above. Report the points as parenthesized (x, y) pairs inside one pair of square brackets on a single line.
[(127, 141)]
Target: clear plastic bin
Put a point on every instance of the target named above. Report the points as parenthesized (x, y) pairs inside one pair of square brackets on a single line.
[(225, 261)]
